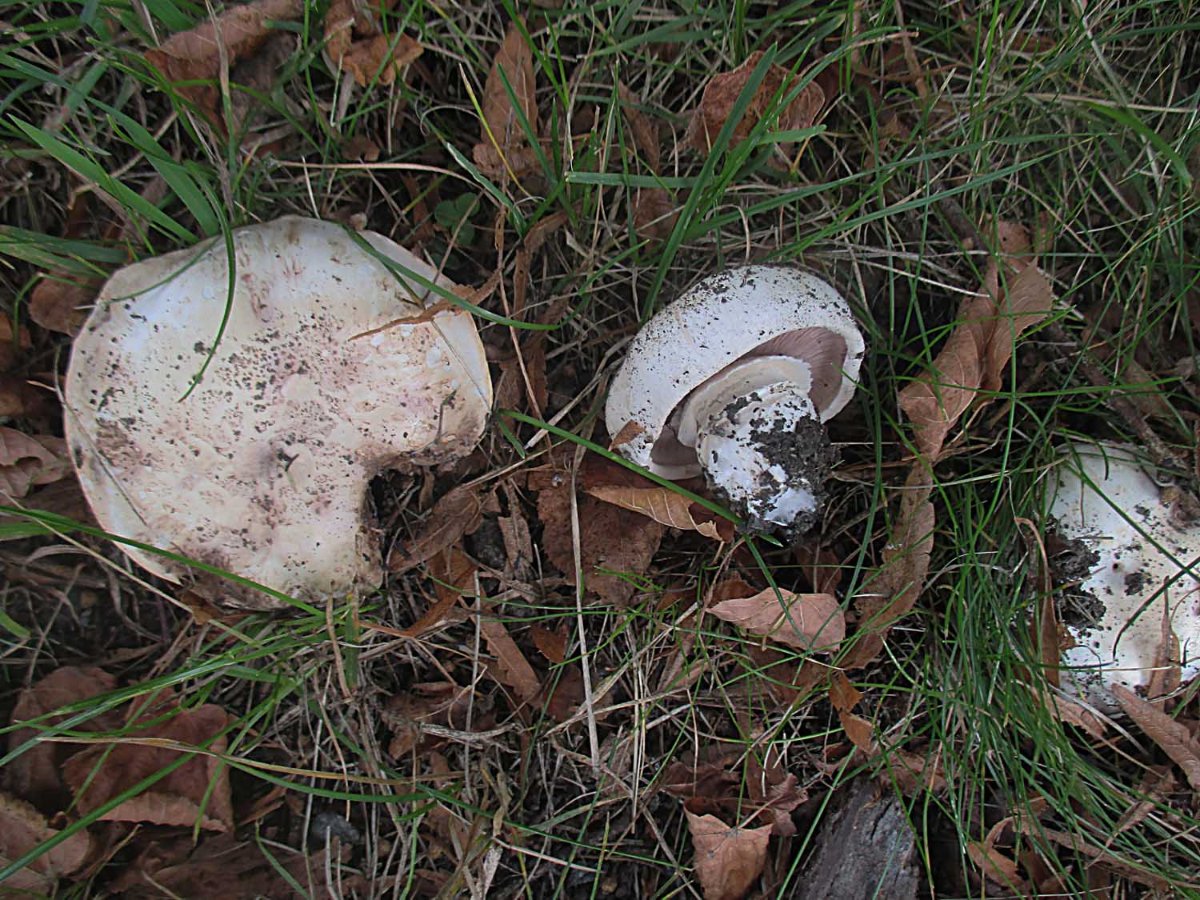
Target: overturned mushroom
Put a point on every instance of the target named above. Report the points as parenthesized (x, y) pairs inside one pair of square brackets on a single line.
[(735, 379), (1135, 565), (331, 368)]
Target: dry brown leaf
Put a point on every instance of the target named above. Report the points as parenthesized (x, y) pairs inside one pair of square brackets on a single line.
[(453, 573), (502, 136), (1167, 674), (516, 163), (459, 511), (860, 731), (665, 506), (610, 538), (727, 782), (512, 668), (804, 621), (443, 703), (195, 793), (628, 432), (977, 351), (13, 342), (842, 694), (645, 134), (551, 644), (230, 868), (996, 866), (36, 775), (1107, 859), (195, 55), (901, 578), (21, 829), (1172, 737), (654, 217), (1073, 713), (728, 860), (355, 42), (722, 93), (22, 399), (915, 773), (29, 460), (567, 696)]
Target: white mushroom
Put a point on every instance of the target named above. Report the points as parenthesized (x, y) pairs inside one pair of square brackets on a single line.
[(735, 379), (1135, 565), (331, 368)]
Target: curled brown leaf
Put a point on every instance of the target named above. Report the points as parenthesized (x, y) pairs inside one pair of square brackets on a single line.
[(804, 621), (722, 92)]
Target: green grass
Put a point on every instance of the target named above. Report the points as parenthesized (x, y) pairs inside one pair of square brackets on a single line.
[(1078, 121)]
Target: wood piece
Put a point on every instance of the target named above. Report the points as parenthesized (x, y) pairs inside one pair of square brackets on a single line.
[(865, 848)]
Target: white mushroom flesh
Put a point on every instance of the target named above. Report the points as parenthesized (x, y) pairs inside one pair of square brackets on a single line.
[(1142, 568), (330, 370)]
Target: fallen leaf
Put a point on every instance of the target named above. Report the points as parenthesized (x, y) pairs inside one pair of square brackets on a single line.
[(567, 696), (230, 868), (355, 43), (610, 537), (645, 134), (628, 432), (1172, 737), (996, 866), (443, 703), (1072, 713), (551, 644), (730, 783), (13, 342), (721, 95), (901, 576), (1166, 674), (60, 302), (250, 79), (860, 731), (665, 506), (804, 621), (195, 793), (654, 217), (21, 829), (21, 399), (1109, 860), (28, 460), (36, 775), (976, 353), (842, 694), (196, 55), (453, 573), (512, 668), (728, 860), (458, 512), (504, 140)]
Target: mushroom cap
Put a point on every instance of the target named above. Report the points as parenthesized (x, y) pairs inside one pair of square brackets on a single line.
[(1101, 496), (317, 384), (747, 311)]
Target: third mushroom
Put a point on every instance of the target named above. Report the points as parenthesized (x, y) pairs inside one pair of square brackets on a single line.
[(736, 379)]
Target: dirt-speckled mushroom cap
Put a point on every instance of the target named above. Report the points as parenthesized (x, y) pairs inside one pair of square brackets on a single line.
[(330, 370), (1135, 560), (748, 311)]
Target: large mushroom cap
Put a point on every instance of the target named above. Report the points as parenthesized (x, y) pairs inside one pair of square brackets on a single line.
[(764, 311), (1136, 566), (330, 369)]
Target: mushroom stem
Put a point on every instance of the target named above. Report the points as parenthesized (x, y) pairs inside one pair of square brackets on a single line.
[(759, 439)]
